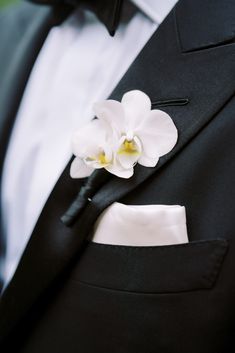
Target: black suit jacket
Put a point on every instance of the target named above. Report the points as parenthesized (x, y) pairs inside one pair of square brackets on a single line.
[(70, 295)]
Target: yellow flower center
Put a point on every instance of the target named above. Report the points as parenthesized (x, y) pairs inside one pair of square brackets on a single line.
[(102, 159), (128, 147)]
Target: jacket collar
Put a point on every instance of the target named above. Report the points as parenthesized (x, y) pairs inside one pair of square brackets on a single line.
[(202, 24), (156, 10), (164, 71)]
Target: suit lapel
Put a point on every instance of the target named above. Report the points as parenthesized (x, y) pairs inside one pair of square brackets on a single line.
[(24, 47), (25, 44), (26, 39), (166, 69), (16, 75)]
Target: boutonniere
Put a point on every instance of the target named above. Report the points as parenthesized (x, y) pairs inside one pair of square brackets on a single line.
[(125, 133)]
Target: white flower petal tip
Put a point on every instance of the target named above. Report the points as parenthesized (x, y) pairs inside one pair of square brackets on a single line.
[(125, 133), (79, 169)]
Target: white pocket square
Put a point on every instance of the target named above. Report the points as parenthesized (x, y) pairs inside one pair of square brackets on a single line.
[(147, 225)]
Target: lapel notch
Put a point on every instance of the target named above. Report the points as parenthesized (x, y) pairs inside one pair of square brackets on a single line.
[(211, 23)]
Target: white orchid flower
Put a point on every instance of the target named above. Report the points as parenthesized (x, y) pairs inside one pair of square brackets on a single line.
[(94, 148), (144, 135), (125, 133)]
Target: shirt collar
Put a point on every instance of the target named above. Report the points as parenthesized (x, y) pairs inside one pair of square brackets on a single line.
[(156, 10)]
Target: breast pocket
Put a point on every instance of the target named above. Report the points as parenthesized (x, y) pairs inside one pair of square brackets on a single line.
[(152, 269)]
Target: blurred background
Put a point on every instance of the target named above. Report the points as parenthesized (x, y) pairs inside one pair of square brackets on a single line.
[(4, 3)]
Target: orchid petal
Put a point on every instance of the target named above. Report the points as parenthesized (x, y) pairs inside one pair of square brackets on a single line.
[(120, 172), (111, 112), (148, 162), (89, 137), (158, 134), (79, 169), (136, 105), (94, 164), (127, 161)]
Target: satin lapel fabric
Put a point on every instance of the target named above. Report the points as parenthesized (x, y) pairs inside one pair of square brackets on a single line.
[(13, 81), (176, 63), (14, 78), (24, 43)]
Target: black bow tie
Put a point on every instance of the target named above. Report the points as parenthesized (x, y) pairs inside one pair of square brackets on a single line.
[(107, 11)]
